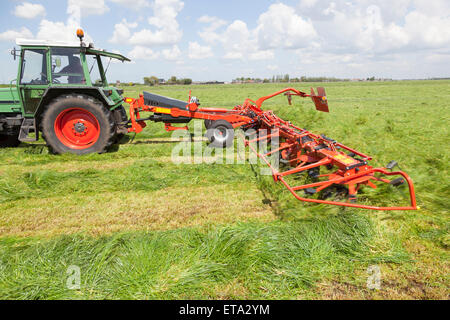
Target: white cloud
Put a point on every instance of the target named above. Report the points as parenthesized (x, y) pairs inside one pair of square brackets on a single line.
[(361, 28), (12, 35), (122, 31), (136, 4), (209, 33), (29, 10), (86, 7), (214, 21), (387, 27), (262, 55), (239, 43), (278, 27), (142, 53), (59, 31), (235, 38), (307, 3), (164, 20), (426, 30), (172, 54), (281, 27), (165, 13), (66, 31), (196, 51), (155, 38)]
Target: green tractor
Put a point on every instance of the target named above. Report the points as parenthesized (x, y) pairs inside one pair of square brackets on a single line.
[(61, 91)]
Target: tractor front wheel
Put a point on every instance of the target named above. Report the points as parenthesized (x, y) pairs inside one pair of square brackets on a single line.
[(77, 124)]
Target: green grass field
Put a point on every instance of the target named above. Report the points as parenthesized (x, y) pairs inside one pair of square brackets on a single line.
[(141, 227)]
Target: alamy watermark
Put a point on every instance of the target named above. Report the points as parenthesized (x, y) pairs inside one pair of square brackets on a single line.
[(374, 277), (73, 281), (193, 150)]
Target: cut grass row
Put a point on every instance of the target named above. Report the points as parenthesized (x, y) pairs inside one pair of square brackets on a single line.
[(251, 260)]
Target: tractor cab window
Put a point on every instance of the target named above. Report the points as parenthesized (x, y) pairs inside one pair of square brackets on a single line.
[(66, 66), (34, 67)]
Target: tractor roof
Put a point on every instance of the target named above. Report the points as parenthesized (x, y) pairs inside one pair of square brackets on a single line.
[(51, 43), (46, 43)]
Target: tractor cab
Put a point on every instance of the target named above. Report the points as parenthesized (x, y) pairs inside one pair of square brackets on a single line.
[(45, 64), (51, 70)]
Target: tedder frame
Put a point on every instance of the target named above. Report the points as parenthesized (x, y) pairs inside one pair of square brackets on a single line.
[(299, 150)]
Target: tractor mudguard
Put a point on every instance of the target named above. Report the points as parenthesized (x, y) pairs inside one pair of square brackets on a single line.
[(53, 92)]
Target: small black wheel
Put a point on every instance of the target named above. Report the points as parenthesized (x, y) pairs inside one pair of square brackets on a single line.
[(9, 141), (220, 134), (208, 123), (78, 124), (397, 182), (336, 192)]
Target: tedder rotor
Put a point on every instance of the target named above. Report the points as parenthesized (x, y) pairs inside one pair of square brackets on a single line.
[(299, 150)]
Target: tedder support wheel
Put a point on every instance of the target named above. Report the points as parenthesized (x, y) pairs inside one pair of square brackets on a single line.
[(220, 134), (208, 123), (77, 124), (9, 141)]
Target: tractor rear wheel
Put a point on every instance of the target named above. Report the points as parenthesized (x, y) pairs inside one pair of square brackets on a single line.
[(220, 134), (78, 124), (9, 141)]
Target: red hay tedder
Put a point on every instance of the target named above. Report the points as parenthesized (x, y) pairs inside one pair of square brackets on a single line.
[(300, 150)]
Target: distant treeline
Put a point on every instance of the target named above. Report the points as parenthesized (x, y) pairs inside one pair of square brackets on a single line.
[(287, 78), (154, 81)]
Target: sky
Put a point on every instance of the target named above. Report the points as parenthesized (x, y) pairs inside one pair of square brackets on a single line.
[(222, 40)]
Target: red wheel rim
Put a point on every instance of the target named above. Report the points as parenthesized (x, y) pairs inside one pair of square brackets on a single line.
[(77, 128)]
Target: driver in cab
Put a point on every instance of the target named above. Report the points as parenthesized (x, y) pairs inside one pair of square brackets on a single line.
[(74, 69)]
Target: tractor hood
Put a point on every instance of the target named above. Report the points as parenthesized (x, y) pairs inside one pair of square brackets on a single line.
[(100, 52), (9, 100), (9, 95)]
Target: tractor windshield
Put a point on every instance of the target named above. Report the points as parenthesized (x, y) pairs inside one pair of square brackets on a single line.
[(94, 63), (66, 66), (97, 71)]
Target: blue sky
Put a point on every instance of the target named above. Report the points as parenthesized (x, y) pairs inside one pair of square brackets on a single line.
[(222, 40)]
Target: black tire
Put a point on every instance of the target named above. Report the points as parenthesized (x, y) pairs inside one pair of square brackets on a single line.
[(9, 141), (220, 134), (83, 103), (208, 123)]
